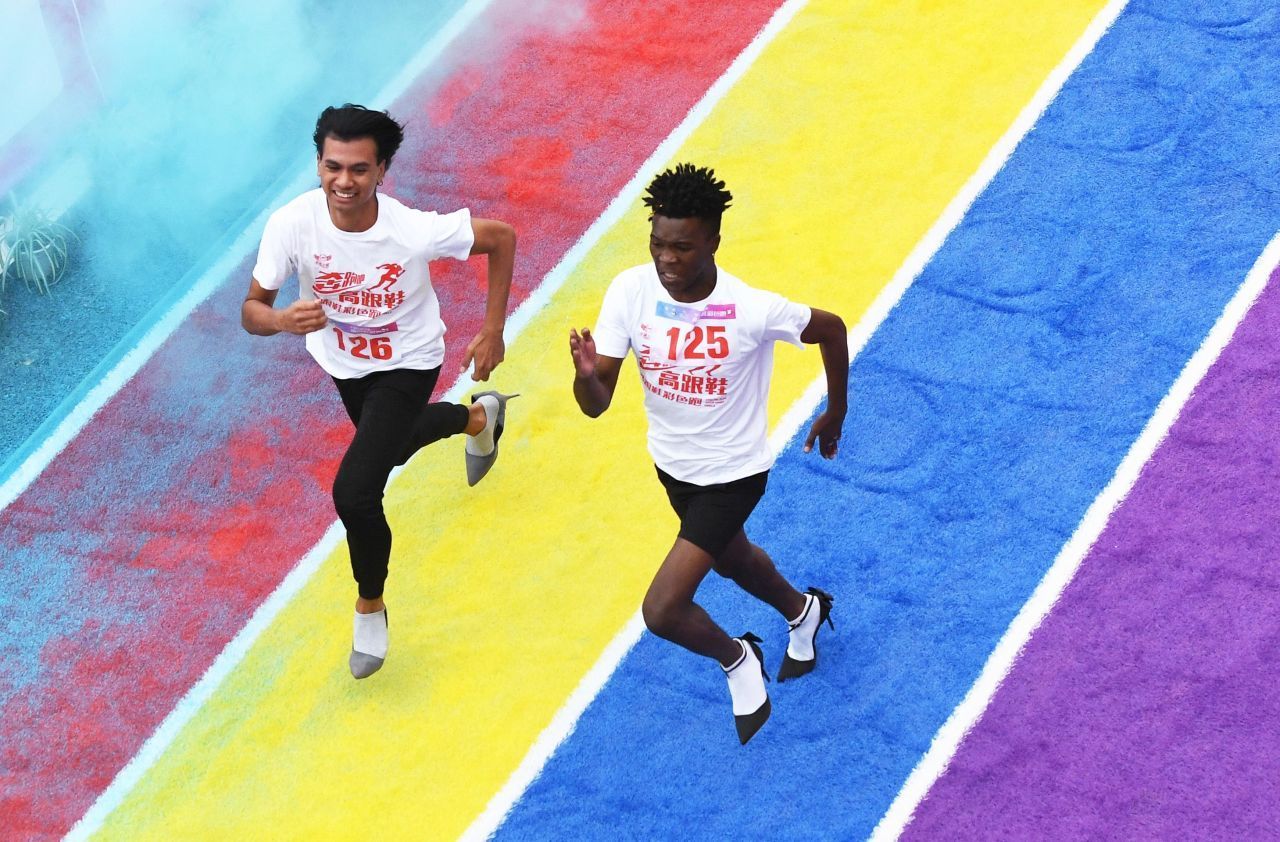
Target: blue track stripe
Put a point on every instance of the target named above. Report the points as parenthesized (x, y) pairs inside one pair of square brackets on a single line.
[(990, 409)]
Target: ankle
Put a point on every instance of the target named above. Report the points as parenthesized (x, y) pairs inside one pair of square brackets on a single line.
[(477, 418), (796, 605), (369, 606), (736, 652)]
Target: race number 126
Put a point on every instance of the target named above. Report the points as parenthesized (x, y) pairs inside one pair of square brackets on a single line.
[(364, 347)]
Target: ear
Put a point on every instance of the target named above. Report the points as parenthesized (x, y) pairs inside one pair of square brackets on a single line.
[(715, 243)]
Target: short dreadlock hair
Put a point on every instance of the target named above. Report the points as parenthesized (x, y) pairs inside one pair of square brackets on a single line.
[(688, 191)]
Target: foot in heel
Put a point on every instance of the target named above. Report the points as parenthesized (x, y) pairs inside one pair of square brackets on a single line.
[(751, 707), (482, 448), (369, 643), (802, 651)]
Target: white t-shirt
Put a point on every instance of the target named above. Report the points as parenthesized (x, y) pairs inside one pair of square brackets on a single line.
[(374, 285), (705, 367)]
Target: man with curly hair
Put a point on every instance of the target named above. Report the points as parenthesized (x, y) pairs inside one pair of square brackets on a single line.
[(703, 341)]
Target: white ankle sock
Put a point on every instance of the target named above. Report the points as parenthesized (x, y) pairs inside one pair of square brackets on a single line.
[(746, 682), (481, 444), (804, 629), (370, 635)]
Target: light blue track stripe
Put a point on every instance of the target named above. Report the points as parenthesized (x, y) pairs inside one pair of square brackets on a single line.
[(130, 353), (991, 408)]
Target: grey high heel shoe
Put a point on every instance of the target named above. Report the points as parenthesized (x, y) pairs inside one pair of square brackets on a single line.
[(479, 464), (364, 664)]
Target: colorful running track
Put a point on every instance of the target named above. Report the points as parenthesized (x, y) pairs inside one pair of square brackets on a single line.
[(1024, 302)]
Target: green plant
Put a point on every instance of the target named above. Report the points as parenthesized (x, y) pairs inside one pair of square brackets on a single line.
[(33, 248)]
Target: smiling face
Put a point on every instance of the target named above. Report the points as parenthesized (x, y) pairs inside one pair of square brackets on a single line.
[(349, 175), (683, 252)]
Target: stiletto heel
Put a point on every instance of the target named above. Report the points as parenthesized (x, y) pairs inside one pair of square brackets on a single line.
[(754, 642)]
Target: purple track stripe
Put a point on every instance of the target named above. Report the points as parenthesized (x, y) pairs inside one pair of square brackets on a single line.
[(1146, 705)]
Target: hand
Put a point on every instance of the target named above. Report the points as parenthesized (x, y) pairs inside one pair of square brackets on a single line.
[(302, 317), (583, 349), (826, 430), (487, 351)]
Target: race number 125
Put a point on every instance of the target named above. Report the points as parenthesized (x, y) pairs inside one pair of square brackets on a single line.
[(699, 344)]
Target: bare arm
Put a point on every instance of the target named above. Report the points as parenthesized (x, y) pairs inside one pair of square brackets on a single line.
[(595, 376), (259, 316), (827, 331), (498, 241)]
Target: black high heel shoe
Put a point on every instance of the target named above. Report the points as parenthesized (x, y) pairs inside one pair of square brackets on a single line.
[(749, 723), (791, 668)]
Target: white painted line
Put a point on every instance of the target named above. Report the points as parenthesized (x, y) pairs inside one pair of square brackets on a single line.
[(926, 772), (135, 358), (562, 725), (565, 720), (191, 702), (971, 708), (230, 657), (955, 211)]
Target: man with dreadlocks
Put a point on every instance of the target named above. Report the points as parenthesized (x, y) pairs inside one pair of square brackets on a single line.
[(703, 340)]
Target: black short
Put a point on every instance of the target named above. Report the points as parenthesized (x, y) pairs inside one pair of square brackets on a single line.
[(711, 515)]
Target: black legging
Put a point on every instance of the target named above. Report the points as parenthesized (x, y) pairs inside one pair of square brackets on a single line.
[(393, 421)]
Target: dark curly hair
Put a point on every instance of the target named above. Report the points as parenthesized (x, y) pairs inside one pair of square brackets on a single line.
[(688, 191), (351, 122)]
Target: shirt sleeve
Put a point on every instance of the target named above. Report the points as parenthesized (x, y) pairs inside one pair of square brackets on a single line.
[(613, 339), (275, 260), (785, 320), (451, 235)]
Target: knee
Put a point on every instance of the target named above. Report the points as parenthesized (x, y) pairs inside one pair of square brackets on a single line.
[(353, 499), (736, 563), (661, 614)]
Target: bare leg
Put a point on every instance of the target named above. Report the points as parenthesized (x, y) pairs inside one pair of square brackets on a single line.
[(369, 606), (670, 612), (752, 570)]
